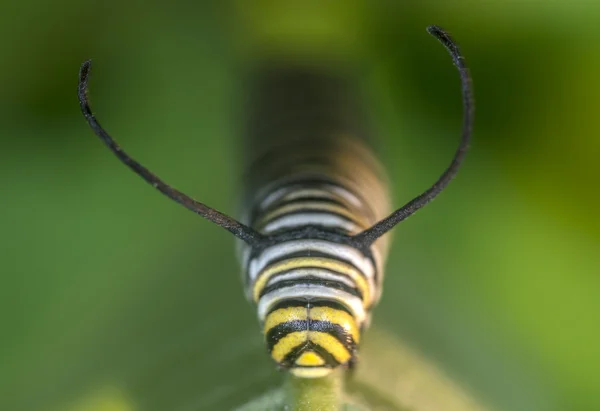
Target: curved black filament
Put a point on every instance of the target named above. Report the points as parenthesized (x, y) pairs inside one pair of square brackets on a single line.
[(238, 229), (367, 237)]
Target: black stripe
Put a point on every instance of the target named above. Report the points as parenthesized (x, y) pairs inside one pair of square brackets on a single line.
[(281, 330), (257, 214), (287, 303), (336, 331), (316, 275), (327, 356), (302, 181), (310, 211), (308, 280), (290, 359), (316, 227), (293, 183), (306, 199), (308, 232)]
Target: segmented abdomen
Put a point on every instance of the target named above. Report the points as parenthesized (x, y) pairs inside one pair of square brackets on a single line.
[(312, 181)]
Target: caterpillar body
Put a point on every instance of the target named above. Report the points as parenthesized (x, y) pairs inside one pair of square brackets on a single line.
[(317, 208), (312, 181)]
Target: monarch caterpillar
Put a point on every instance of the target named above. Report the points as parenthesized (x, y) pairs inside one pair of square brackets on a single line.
[(312, 250)]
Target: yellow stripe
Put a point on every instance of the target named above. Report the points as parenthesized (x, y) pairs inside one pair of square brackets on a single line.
[(332, 345), (287, 344), (284, 315), (314, 206), (318, 262), (310, 359), (339, 317)]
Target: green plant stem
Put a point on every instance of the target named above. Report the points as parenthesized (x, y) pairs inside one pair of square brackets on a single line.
[(323, 394)]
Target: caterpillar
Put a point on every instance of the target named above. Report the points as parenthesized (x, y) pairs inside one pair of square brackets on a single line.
[(317, 208)]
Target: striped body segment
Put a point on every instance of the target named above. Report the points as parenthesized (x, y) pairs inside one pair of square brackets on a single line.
[(312, 183), (311, 338)]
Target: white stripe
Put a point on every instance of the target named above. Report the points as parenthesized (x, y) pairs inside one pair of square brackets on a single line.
[(308, 292), (325, 189), (244, 253), (341, 251), (274, 196), (300, 220), (342, 192), (312, 272), (309, 193)]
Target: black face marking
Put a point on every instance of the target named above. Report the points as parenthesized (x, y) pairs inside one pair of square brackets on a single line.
[(281, 330), (293, 355)]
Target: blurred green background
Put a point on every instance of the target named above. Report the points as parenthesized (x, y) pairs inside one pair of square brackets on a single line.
[(116, 299)]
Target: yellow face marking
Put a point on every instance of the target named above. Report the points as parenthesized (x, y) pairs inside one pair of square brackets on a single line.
[(287, 344), (314, 206), (318, 262), (284, 315), (332, 345), (310, 358), (339, 317), (311, 372)]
